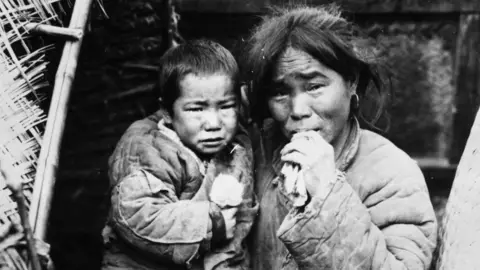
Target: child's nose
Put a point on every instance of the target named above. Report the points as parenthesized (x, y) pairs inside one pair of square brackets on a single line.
[(212, 121)]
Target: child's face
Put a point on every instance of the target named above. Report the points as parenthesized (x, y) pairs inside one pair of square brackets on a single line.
[(205, 113)]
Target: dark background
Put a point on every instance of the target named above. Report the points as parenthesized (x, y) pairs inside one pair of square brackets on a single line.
[(430, 46)]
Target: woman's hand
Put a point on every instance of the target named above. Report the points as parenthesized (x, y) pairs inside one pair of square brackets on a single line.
[(315, 157)]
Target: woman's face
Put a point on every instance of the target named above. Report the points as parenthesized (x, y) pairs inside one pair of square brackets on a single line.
[(306, 95)]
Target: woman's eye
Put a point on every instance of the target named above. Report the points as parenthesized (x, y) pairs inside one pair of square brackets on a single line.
[(314, 87), (279, 93)]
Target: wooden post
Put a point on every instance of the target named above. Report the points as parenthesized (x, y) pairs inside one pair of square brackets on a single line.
[(49, 154), (467, 82), (460, 234)]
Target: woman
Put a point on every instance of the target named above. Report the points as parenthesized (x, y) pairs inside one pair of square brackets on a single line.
[(367, 204)]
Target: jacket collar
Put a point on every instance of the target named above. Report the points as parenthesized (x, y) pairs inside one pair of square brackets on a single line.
[(165, 129), (159, 118), (172, 135)]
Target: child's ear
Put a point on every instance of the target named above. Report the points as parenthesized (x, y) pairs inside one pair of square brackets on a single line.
[(353, 85), (244, 104), (167, 117)]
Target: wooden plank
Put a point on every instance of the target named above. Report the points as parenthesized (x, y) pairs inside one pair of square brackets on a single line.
[(353, 6), (467, 82)]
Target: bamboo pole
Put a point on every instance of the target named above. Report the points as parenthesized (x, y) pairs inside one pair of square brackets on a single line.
[(49, 154), (16, 187), (459, 233), (67, 33)]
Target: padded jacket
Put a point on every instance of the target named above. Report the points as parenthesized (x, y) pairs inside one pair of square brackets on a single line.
[(377, 216), (160, 216)]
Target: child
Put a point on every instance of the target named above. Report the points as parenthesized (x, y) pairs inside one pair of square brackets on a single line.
[(162, 170)]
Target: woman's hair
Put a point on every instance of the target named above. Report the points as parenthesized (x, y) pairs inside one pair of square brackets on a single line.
[(328, 37), (197, 57)]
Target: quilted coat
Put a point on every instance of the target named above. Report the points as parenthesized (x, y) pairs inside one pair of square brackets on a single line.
[(378, 216), (161, 217)]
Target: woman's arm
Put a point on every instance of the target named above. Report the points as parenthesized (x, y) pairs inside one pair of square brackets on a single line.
[(396, 231)]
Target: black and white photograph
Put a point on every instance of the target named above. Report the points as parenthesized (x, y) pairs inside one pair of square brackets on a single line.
[(239, 134)]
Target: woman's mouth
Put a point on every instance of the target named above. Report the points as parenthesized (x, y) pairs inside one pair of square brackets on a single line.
[(304, 130)]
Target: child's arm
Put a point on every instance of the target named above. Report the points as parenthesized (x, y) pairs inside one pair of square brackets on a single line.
[(148, 216), (146, 212), (235, 255)]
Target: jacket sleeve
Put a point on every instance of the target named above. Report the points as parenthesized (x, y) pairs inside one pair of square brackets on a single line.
[(150, 217), (393, 228), (234, 255), (146, 211)]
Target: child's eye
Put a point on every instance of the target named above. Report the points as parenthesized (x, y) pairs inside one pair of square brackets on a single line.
[(228, 106)]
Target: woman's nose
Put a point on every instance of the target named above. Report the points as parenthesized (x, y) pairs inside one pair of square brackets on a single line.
[(300, 107), (212, 121)]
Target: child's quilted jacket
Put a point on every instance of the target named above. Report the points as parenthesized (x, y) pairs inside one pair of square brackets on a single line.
[(161, 217)]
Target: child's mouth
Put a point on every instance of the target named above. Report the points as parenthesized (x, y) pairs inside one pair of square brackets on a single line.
[(213, 142)]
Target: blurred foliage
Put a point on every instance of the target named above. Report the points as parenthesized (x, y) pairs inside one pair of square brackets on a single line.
[(422, 91)]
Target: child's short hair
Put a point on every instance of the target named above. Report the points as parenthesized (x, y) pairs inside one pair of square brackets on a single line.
[(198, 57)]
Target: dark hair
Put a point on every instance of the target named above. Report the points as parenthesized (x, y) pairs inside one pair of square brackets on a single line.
[(328, 37), (198, 57)]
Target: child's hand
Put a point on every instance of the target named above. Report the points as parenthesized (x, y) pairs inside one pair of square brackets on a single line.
[(230, 221)]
